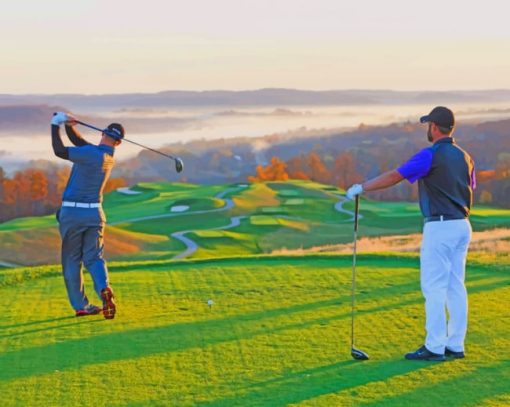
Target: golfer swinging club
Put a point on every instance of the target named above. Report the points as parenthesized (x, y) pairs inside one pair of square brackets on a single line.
[(446, 179), (81, 217)]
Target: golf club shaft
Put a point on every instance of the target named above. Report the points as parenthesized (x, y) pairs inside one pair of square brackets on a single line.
[(129, 141), (353, 287), (151, 149)]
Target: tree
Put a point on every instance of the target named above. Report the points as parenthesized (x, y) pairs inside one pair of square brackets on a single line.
[(503, 165), (275, 171), (114, 183), (38, 190), (22, 192), (2, 177), (344, 171), (297, 167), (318, 171)]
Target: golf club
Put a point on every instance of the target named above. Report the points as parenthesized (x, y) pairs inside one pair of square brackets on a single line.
[(179, 165), (355, 353)]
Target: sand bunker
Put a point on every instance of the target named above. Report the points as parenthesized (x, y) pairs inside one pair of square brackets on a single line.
[(179, 208)]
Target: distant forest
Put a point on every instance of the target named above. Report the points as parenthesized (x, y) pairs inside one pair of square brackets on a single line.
[(338, 159), (36, 191)]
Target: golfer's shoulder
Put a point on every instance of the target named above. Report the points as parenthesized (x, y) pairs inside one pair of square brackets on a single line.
[(93, 152)]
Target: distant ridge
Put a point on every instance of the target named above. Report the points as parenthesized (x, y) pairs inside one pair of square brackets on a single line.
[(260, 97)]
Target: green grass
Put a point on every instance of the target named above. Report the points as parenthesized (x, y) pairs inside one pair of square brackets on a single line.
[(28, 223), (280, 215), (277, 334)]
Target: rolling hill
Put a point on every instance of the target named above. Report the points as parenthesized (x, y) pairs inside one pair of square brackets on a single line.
[(234, 324)]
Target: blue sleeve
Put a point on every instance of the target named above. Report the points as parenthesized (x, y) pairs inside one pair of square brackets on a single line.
[(80, 154), (417, 166)]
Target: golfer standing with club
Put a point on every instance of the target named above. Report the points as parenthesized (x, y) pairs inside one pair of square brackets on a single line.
[(81, 217), (446, 179)]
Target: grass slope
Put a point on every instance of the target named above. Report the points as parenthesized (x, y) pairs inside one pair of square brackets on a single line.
[(278, 333), (275, 216)]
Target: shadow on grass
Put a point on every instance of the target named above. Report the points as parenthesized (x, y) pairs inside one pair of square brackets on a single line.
[(74, 354), (383, 261), (82, 320), (38, 322), (470, 389), (311, 383), (308, 384)]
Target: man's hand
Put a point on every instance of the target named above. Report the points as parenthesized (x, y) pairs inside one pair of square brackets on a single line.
[(59, 118), (71, 120), (354, 190)]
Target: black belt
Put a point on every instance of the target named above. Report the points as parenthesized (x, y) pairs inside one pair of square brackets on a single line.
[(441, 218)]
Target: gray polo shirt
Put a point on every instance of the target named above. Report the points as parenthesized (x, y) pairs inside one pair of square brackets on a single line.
[(91, 169)]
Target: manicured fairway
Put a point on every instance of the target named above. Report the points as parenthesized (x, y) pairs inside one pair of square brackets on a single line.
[(277, 333), (274, 216)]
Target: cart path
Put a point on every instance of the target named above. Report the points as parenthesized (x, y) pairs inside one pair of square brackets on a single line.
[(228, 205), (339, 207), (192, 246)]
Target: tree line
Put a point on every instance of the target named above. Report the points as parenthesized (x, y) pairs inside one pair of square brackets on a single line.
[(493, 186), (36, 192)]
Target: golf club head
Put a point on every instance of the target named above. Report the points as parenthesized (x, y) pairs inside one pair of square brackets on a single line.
[(358, 354), (179, 165)]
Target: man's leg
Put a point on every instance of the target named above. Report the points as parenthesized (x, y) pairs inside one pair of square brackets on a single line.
[(457, 294), (71, 264), (435, 269), (93, 249)]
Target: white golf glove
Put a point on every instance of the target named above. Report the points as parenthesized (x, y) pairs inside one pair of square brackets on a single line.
[(59, 118), (354, 190)]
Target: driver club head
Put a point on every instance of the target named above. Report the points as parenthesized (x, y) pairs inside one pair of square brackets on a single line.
[(179, 165), (358, 354)]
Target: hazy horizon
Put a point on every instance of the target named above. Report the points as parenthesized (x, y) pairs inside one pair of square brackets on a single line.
[(247, 89), (213, 123)]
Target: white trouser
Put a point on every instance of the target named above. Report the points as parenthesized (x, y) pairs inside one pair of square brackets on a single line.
[(443, 263)]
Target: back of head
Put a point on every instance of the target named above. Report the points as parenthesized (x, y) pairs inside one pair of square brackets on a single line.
[(442, 117), (115, 131)]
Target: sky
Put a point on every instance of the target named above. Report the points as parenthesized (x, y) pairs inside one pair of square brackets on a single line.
[(118, 46)]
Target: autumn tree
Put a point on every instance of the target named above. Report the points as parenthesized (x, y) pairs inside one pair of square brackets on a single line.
[(38, 190), (297, 167), (113, 183), (318, 170), (275, 171), (344, 171), (503, 166)]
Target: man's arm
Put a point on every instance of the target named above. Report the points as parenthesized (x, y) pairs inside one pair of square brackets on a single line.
[(75, 136), (56, 141), (413, 169), (382, 181)]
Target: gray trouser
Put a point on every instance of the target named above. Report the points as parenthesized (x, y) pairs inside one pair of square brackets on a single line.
[(82, 231)]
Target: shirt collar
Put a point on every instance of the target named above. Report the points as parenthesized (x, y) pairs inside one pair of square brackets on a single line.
[(109, 149), (448, 140)]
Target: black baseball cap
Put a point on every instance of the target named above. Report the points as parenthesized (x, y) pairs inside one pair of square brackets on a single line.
[(440, 115), (115, 131)]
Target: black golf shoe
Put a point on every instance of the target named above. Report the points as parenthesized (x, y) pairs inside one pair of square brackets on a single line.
[(454, 355), (424, 354)]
